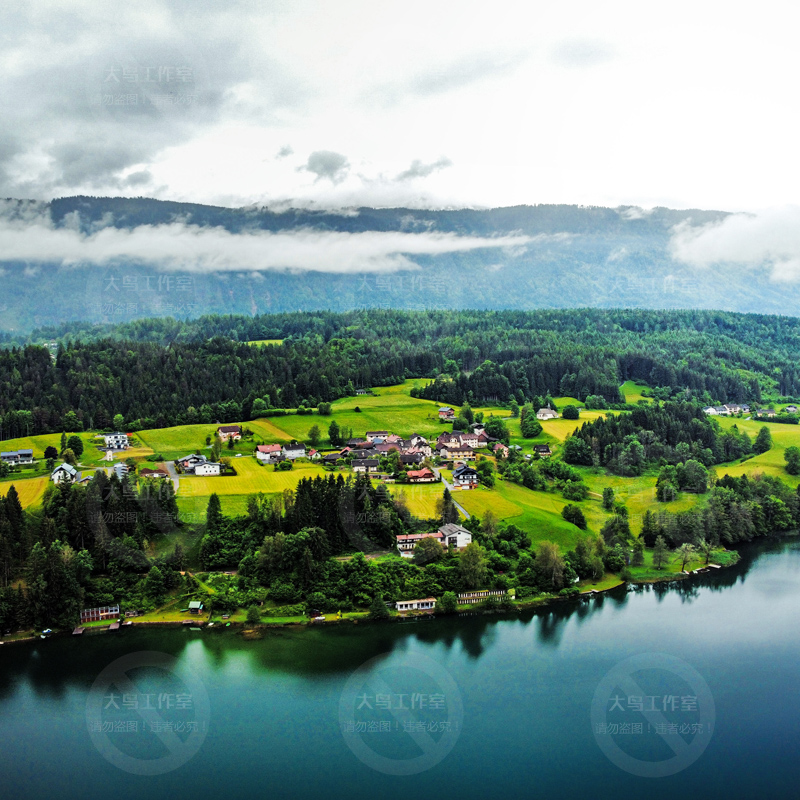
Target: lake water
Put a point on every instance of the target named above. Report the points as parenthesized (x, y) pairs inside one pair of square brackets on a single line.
[(683, 690)]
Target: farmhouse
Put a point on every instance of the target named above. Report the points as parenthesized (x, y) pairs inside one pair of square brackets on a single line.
[(465, 477), (427, 604), (65, 472), (500, 450), (371, 436), (226, 432), (416, 439), (13, 457), (331, 458), (146, 472), (546, 413), (294, 450), (208, 468), (423, 475), (411, 459), (446, 413), (116, 441), (269, 453), (542, 450), (365, 465)]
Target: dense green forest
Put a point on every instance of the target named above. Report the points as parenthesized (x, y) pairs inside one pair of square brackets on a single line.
[(164, 372)]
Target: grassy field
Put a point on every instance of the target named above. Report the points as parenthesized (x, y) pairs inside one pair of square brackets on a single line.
[(265, 342), (770, 463), (30, 490), (391, 408), (252, 478), (632, 392), (420, 498)]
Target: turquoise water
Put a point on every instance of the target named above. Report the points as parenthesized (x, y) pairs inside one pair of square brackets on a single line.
[(503, 707)]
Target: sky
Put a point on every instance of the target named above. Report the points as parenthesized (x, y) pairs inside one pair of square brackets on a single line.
[(442, 104)]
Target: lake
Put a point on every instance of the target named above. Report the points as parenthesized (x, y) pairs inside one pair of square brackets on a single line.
[(687, 689)]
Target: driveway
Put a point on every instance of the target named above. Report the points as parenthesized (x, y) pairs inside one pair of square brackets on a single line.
[(173, 474), (453, 493)]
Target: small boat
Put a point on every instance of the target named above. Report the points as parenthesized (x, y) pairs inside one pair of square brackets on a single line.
[(47, 631)]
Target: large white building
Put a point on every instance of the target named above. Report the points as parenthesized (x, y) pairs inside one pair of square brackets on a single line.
[(208, 468), (116, 441)]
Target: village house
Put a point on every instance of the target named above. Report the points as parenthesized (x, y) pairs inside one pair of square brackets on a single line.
[(426, 604), (411, 459), (371, 436), (294, 450), (449, 535), (189, 463), (453, 535), (226, 432), (314, 455), (479, 596), (465, 477), (65, 472), (546, 413), (359, 442), (208, 468), (478, 428), (458, 452), (365, 465), (423, 475), (790, 409), (269, 453), (385, 449), (195, 607), (406, 542), (542, 450), (16, 457), (417, 439), (146, 472), (765, 412), (359, 453), (446, 414), (500, 450), (331, 458), (116, 441), (99, 614)]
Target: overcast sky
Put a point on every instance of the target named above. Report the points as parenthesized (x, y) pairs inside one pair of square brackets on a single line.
[(420, 103)]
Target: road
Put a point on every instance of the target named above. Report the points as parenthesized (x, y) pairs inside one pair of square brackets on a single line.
[(173, 474), (449, 485)]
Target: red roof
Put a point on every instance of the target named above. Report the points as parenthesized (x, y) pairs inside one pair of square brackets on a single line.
[(419, 473), (268, 448)]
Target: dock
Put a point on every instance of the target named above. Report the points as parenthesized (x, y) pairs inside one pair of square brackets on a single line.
[(114, 626), (78, 632)]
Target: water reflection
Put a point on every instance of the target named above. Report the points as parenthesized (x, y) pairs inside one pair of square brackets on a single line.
[(53, 667)]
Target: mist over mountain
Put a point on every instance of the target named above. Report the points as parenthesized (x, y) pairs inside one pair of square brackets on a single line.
[(118, 259)]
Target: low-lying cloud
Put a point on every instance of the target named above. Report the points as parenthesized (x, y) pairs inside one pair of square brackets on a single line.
[(182, 247), (769, 239)]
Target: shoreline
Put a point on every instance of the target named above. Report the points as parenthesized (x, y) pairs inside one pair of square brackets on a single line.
[(249, 631)]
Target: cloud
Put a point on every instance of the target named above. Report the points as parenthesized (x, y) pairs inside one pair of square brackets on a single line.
[(768, 239), (582, 53), (327, 164), (634, 212), (420, 170), (285, 151), (179, 246)]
